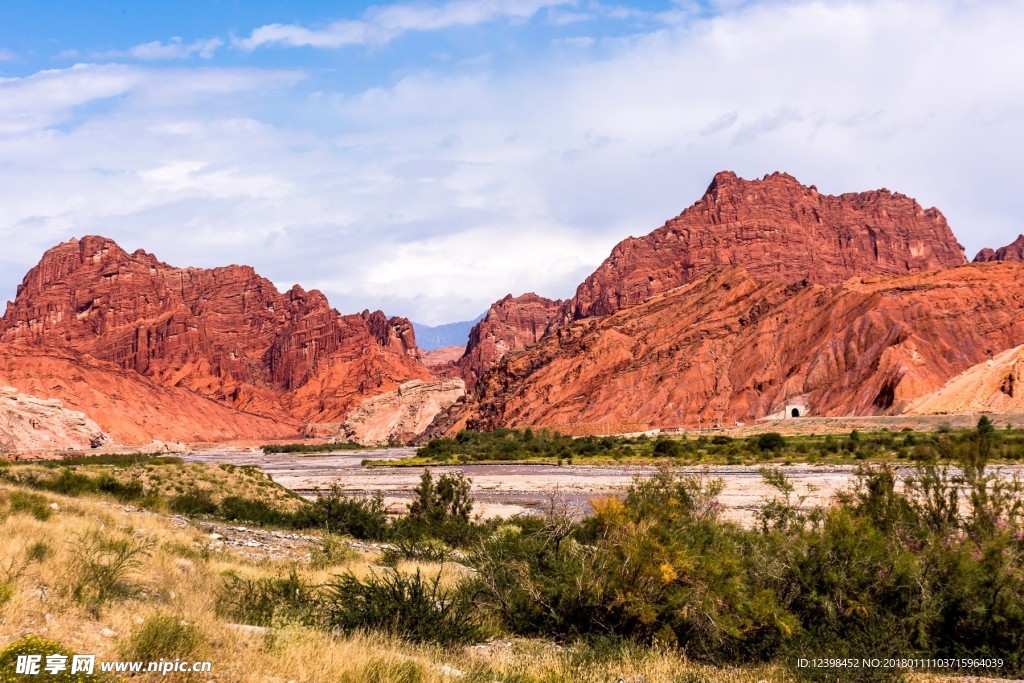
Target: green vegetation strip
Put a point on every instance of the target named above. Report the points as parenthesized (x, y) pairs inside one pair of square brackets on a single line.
[(550, 447), (312, 447)]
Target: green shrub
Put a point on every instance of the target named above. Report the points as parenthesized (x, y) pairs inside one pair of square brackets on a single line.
[(266, 601), (771, 442), (239, 509), (416, 551), (6, 592), (331, 553), (193, 502), (338, 513), (439, 510), (31, 503), (163, 637), (448, 499), (409, 607), (666, 447), (122, 491), (101, 567)]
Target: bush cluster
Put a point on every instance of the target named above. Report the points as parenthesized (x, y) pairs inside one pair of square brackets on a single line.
[(524, 444), (408, 606), (935, 569), (71, 483)]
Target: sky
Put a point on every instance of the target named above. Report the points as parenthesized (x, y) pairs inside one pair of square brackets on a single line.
[(427, 158)]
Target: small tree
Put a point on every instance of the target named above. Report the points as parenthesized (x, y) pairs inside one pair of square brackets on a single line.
[(446, 500)]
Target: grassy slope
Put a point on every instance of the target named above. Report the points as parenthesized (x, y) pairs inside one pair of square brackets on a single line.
[(182, 574)]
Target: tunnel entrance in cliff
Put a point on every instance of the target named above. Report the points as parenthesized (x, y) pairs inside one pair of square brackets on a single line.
[(795, 413)]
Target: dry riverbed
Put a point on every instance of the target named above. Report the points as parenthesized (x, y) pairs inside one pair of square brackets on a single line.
[(504, 490)]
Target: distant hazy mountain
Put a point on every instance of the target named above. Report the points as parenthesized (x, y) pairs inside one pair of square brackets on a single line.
[(449, 334)]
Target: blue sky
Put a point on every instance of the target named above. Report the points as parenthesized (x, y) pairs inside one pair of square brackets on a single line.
[(427, 158)]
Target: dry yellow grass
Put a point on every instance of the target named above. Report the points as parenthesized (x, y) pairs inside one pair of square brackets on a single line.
[(181, 576)]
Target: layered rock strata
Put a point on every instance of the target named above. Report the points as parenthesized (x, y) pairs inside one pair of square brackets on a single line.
[(225, 334), (511, 324), (399, 416), (728, 347), (778, 230)]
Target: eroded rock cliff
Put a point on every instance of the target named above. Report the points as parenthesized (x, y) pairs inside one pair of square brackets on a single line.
[(728, 347), (778, 230), (131, 408), (511, 324)]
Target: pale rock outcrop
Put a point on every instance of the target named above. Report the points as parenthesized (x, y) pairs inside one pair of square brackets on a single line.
[(992, 386), (29, 423), (398, 416)]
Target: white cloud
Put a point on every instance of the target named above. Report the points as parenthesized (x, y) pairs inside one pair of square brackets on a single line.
[(433, 196), (175, 49), (381, 24)]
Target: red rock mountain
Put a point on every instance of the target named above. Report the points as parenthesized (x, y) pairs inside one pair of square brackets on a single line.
[(779, 230), (225, 333), (728, 347), (763, 291), (775, 228), (511, 324), (1014, 251)]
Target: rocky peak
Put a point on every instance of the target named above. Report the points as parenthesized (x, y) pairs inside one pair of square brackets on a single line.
[(1014, 251), (777, 229), (511, 324)]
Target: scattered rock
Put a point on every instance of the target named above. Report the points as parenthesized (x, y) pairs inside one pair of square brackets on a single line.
[(247, 628), (184, 565)]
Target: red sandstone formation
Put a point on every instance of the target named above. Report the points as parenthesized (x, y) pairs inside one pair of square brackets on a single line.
[(1014, 251), (511, 324), (775, 228), (132, 409), (779, 230), (728, 347), (225, 333)]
